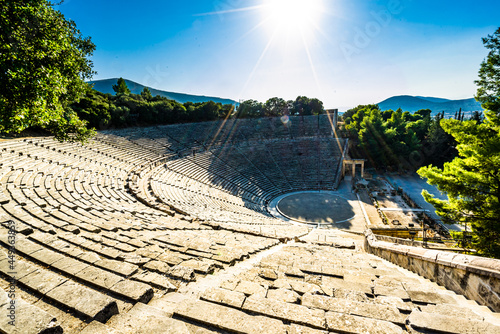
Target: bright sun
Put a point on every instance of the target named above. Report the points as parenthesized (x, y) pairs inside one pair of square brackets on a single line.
[(292, 15)]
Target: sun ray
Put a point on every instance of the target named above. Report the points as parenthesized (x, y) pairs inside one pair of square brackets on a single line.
[(311, 63), (229, 11), (269, 43)]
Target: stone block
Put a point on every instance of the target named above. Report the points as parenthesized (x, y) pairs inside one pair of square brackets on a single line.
[(98, 277), (69, 266), (225, 297), (345, 323), (284, 295), (284, 311), (143, 319), (369, 310), (119, 267), (449, 324), (227, 318), (90, 303), (30, 320), (46, 256), (180, 272), (298, 329), (155, 279), (136, 291), (43, 281), (251, 288)]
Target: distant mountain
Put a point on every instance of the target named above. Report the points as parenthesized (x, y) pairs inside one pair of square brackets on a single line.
[(414, 103), (106, 86)]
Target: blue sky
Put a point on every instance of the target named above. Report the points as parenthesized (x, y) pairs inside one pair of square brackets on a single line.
[(344, 52)]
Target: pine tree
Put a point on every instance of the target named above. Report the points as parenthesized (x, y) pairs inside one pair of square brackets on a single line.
[(121, 87), (472, 180)]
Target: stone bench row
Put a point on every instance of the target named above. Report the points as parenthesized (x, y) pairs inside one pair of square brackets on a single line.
[(87, 269)]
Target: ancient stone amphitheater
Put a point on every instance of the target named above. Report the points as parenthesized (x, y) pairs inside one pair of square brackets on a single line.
[(167, 230)]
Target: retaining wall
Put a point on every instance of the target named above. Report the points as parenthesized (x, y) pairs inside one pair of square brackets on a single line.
[(475, 277)]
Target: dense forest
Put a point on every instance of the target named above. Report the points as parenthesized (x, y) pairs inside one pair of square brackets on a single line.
[(124, 109), (399, 140)]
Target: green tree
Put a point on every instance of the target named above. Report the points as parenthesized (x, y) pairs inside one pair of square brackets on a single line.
[(121, 87), (146, 94), (43, 65), (275, 107), (472, 180), (488, 92), (249, 109), (373, 139)]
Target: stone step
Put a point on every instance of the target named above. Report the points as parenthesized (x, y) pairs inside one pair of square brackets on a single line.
[(363, 309), (422, 322), (226, 318), (287, 312), (89, 274), (346, 323), (19, 316), (146, 319), (90, 303), (96, 327)]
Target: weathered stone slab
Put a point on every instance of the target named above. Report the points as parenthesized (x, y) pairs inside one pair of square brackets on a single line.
[(89, 257), (361, 278), (282, 283), (85, 301), (304, 287), (29, 319), (143, 319), (98, 277), (268, 274), (95, 327), (155, 279), (227, 318), (137, 291), (394, 301), (21, 269), (348, 294), (223, 296), (291, 271), (430, 297), (200, 267), (369, 310), (390, 290), (346, 323), (69, 266), (452, 311), (47, 256), (284, 311), (158, 266), (336, 283), (170, 258), (251, 288), (42, 280), (449, 324), (298, 329), (119, 267), (283, 295), (180, 272)]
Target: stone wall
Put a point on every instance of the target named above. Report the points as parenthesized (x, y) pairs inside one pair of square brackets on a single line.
[(475, 277)]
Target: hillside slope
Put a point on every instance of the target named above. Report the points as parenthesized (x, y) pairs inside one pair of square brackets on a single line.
[(106, 86), (414, 103)]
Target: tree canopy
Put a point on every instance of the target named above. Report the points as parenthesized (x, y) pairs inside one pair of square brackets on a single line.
[(121, 87), (43, 65), (472, 180), (396, 139)]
